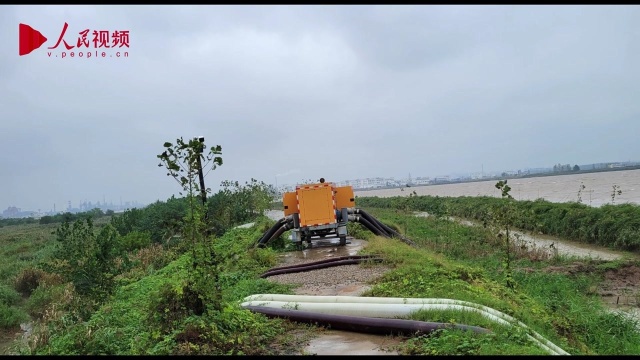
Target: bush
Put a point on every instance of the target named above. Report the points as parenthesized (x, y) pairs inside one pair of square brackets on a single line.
[(170, 306), (135, 240), (616, 226), (42, 297), (11, 317), (8, 296)]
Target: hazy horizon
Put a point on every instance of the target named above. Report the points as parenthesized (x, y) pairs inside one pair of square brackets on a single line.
[(123, 202), (303, 92)]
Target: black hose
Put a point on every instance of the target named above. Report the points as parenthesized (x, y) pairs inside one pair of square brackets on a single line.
[(384, 226), (277, 233), (348, 257), (395, 233), (272, 230), (375, 223), (317, 266), (389, 229), (363, 324), (264, 241), (369, 225)]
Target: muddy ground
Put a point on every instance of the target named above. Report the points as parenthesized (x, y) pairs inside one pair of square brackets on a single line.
[(620, 289), (349, 280)]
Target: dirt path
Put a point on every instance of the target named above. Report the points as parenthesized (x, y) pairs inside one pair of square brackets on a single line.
[(7, 338), (349, 280)]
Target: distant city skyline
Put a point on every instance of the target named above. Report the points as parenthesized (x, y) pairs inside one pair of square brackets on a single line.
[(14, 211)]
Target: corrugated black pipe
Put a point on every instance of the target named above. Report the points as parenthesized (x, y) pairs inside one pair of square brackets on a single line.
[(369, 217), (317, 266), (363, 324), (264, 241), (375, 223), (272, 230), (389, 229), (347, 257), (369, 226)]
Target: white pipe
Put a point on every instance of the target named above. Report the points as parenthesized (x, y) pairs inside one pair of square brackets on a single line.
[(397, 300), (379, 311), (404, 306)]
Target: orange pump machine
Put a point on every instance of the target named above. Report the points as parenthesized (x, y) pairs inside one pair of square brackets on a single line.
[(319, 210)]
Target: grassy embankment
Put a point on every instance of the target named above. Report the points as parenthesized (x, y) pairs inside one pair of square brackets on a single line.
[(148, 313)]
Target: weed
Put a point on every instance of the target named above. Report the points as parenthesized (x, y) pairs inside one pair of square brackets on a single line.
[(580, 189), (616, 191)]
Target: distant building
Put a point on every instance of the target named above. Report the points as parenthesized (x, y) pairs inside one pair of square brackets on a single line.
[(441, 179), (11, 212), (421, 181)]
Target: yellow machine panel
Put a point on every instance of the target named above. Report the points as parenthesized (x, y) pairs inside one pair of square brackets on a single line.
[(344, 197), (289, 203), (316, 204)]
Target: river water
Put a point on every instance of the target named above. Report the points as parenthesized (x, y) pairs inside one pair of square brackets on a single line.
[(597, 191)]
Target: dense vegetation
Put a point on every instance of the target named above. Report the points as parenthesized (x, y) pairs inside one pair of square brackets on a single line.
[(614, 226), (65, 277)]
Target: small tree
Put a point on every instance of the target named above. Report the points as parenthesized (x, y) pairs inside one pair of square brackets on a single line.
[(185, 162), (87, 259), (504, 215), (580, 189), (616, 191)]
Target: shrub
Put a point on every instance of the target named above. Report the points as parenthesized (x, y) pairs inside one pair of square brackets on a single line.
[(42, 297), (135, 240), (11, 317), (8, 296)]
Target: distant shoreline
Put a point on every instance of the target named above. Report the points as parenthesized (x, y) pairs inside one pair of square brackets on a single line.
[(626, 168)]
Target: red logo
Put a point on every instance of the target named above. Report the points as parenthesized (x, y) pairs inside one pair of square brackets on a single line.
[(29, 39)]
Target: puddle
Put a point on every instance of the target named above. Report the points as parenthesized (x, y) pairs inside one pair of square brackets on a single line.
[(567, 247), (337, 342), (274, 214), (323, 249), (9, 338)]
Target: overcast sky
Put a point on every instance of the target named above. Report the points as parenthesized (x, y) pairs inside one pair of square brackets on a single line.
[(302, 92)]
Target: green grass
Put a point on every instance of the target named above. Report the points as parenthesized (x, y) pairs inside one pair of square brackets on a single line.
[(131, 322), (459, 262)]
